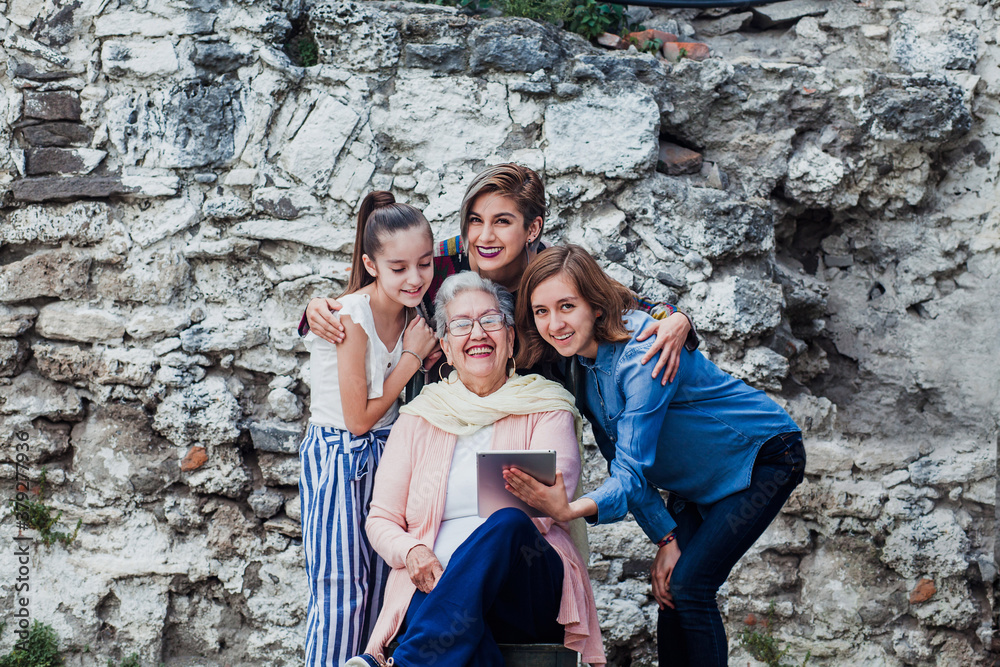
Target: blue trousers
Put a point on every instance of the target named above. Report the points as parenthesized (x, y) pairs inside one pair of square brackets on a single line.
[(503, 584), (712, 539), (346, 577)]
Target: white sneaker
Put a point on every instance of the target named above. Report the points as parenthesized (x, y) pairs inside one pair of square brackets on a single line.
[(367, 660)]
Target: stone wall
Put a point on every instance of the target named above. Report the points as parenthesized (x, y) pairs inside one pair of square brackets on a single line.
[(174, 190)]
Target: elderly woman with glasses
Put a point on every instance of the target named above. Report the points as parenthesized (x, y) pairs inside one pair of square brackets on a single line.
[(460, 583)]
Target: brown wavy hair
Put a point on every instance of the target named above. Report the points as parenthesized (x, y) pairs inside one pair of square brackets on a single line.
[(606, 296), (519, 183)]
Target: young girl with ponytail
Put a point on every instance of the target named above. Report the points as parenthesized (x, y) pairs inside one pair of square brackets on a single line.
[(354, 388)]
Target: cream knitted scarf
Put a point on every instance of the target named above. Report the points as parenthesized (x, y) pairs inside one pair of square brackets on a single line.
[(451, 407)]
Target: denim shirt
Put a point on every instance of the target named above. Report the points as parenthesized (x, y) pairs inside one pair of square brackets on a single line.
[(696, 437)]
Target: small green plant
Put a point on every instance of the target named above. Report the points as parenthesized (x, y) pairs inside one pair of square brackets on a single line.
[(470, 5), (647, 46), (552, 11), (39, 649), (763, 645), (37, 515), (592, 19), (682, 53), (131, 661)]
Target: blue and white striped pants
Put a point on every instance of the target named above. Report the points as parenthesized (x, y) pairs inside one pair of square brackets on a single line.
[(346, 577)]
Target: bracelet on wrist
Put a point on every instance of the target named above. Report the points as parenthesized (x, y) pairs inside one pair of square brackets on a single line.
[(667, 540), (419, 360)]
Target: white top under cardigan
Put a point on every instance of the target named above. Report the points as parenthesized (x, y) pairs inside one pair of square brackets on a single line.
[(325, 405), (461, 504)]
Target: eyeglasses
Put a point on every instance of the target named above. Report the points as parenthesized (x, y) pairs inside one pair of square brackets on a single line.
[(463, 325)]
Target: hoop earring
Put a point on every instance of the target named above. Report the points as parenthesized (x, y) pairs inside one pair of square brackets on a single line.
[(441, 373), (513, 368)]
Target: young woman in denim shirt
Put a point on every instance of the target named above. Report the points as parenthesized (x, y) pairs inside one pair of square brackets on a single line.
[(728, 454)]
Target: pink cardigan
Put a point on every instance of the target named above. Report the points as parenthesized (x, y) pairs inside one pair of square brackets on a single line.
[(408, 503)]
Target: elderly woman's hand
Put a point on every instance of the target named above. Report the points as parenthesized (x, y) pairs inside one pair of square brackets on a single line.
[(671, 334), (424, 568), (550, 500)]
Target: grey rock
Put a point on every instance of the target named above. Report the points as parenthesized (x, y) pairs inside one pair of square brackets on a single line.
[(726, 24), (219, 57), (62, 274), (285, 203), (15, 320), (30, 396), (226, 208), (152, 321), (285, 404), (918, 108), (13, 354), (312, 232), (45, 440), (279, 469), (57, 134), (205, 413), (445, 58), (152, 277), (81, 223), (41, 161), (61, 105), (925, 43), (64, 363), (116, 454), (764, 368), (224, 473), (285, 526), (201, 122), (779, 14), (276, 437), (930, 545), (87, 325), (25, 70), (216, 334), (513, 45), (355, 34), (56, 188), (265, 503), (145, 58)]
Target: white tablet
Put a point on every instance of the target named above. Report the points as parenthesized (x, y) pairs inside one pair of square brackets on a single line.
[(540, 464)]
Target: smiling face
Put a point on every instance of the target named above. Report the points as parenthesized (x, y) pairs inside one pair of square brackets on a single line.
[(498, 236), (481, 356), (563, 317), (403, 266)]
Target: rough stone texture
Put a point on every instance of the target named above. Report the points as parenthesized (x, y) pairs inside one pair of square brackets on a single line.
[(61, 274), (837, 246), (87, 325)]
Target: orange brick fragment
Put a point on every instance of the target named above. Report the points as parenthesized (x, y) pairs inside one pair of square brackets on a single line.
[(194, 459), (923, 591)]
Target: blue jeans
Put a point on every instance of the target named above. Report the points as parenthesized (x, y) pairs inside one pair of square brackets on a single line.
[(504, 584), (712, 539)]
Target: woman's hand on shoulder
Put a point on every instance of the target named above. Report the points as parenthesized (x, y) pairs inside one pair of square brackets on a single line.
[(420, 338), (670, 336), (323, 321), (424, 568)]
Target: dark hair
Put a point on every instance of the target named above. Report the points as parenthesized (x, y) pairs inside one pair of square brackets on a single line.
[(606, 296), (508, 180), (379, 215)]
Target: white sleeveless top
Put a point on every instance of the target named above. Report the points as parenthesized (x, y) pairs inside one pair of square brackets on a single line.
[(325, 406)]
